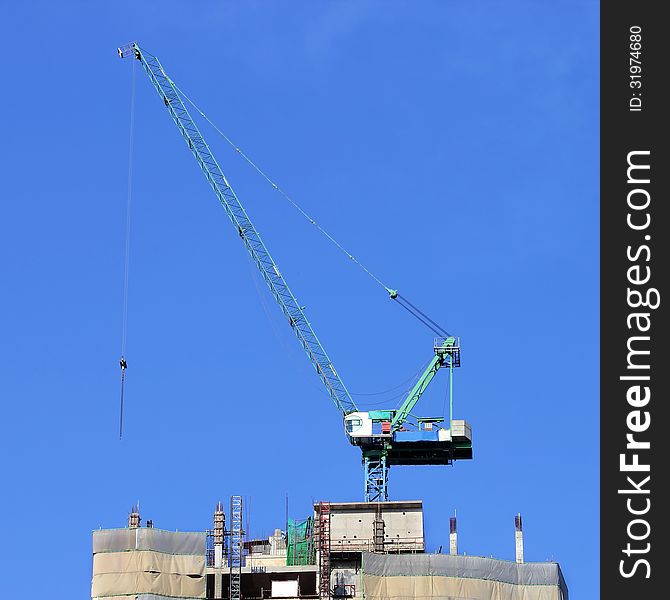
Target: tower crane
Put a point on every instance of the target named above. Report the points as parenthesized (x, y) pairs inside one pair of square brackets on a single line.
[(385, 437)]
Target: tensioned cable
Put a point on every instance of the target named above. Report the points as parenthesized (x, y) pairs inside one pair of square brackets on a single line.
[(290, 351), (409, 388), (281, 191), (400, 398), (394, 400), (413, 310), (419, 314), (128, 207), (126, 262), (395, 387), (420, 319)]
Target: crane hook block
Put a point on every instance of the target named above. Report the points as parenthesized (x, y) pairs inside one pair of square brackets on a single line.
[(123, 364)]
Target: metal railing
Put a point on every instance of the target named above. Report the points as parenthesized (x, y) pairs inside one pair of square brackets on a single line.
[(391, 545)]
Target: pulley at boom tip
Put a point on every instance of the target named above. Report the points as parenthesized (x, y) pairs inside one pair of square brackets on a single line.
[(131, 49)]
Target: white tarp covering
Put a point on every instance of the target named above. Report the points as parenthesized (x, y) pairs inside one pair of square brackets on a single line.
[(447, 577), (148, 564), (148, 538), (154, 597), (141, 597)]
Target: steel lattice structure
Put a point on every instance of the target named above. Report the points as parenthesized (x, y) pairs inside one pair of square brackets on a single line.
[(245, 228), (376, 476), (236, 548), (324, 550)]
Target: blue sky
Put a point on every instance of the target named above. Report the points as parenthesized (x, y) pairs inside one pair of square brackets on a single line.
[(453, 147)]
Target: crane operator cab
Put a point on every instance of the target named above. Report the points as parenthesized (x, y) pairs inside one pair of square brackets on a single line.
[(430, 440), (363, 428)]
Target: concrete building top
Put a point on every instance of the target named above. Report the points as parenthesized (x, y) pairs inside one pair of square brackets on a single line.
[(370, 506)]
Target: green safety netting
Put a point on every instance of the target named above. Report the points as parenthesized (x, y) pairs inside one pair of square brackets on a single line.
[(300, 542)]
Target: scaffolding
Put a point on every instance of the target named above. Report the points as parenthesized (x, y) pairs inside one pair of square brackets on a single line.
[(236, 548), (324, 550)]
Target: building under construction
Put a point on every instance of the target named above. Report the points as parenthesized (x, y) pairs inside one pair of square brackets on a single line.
[(343, 550)]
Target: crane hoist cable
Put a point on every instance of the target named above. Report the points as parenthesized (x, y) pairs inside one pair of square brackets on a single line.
[(402, 384), (126, 261), (393, 294)]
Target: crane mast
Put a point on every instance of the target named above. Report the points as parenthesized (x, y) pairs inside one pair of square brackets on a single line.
[(382, 436)]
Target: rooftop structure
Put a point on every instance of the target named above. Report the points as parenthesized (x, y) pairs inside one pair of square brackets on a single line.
[(350, 550)]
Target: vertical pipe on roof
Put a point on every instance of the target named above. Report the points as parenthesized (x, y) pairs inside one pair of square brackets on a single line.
[(518, 536), (453, 536)]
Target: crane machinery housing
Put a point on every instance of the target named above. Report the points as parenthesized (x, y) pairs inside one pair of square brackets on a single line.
[(385, 437)]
